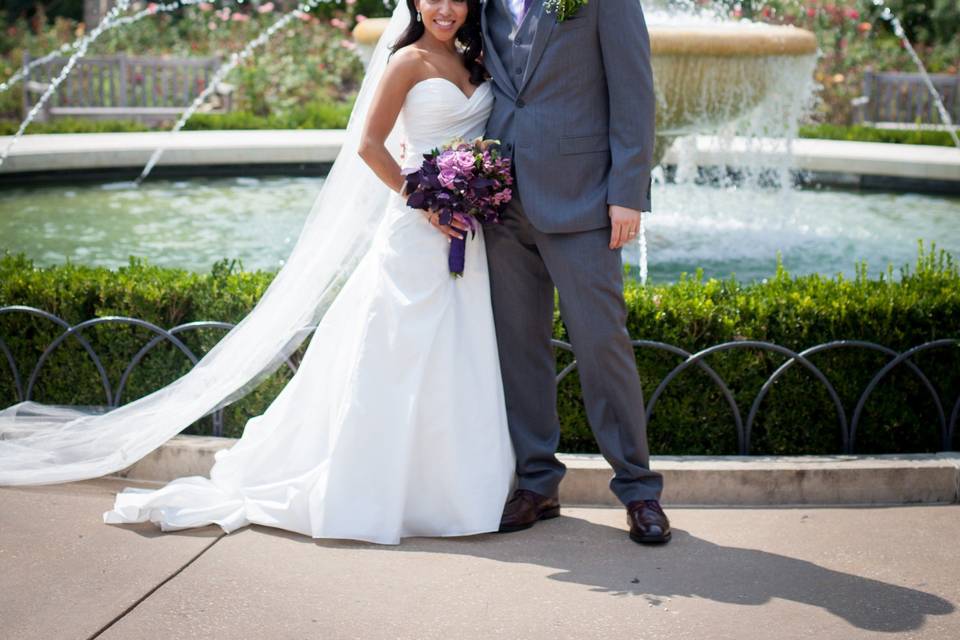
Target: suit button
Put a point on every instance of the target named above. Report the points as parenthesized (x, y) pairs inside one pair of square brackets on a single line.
[(520, 103), (519, 70)]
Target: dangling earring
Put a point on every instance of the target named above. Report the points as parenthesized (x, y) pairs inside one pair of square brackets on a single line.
[(419, 19)]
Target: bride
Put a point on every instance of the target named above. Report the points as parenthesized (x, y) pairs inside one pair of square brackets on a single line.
[(395, 423)]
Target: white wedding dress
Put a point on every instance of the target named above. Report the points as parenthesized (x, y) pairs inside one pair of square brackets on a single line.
[(394, 424)]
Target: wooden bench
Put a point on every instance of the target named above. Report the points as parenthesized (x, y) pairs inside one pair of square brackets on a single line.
[(148, 90), (903, 100)]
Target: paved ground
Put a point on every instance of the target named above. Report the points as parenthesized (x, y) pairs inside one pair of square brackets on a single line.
[(728, 573)]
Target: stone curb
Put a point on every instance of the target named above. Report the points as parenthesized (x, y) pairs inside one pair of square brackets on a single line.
[(840, 162), (688, 480)]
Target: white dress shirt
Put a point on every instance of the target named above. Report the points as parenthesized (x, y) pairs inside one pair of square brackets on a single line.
[(516, 8)]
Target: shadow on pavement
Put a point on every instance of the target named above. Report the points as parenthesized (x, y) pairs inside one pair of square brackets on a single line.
[(602, 558)]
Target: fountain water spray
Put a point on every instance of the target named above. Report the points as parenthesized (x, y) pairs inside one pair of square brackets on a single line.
[(111, 20), (81, 49), (889, 16), (72, 46), (642, 240), (747, 84)]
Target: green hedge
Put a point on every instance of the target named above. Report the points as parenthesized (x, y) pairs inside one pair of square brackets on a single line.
[(863, 133), (319, 115), (691, 417)]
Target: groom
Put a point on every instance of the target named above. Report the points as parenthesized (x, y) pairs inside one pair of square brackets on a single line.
[(574, 108)]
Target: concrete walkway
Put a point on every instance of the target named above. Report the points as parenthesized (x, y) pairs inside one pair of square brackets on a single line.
[(844, 573)]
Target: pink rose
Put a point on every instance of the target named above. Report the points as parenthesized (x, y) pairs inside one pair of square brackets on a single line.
[(446, 178), (463, 161), (265, 8)]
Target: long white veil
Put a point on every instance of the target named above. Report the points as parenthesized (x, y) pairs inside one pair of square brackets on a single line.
[(45, 444)]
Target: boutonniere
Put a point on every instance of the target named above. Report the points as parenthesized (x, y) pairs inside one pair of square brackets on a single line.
[(563, 8)]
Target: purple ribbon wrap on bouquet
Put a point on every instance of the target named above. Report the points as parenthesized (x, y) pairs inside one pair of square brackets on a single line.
[(464, 181)]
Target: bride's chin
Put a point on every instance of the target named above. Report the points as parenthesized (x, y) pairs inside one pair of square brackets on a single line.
[(444, 37)]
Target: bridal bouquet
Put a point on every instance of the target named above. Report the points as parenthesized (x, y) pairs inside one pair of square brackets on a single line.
[(466, 180)]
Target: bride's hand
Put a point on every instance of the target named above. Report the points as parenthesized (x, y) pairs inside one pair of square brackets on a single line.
[(456, 229)]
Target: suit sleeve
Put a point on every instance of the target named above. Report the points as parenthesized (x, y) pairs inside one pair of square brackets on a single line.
[(625, 48)]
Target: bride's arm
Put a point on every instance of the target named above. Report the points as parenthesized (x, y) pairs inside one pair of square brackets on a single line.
[(400, 75)]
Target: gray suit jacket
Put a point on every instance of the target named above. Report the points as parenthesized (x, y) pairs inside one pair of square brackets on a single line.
[(574, 107)]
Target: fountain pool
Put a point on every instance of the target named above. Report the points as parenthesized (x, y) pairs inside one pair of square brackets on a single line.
[(192, 223)]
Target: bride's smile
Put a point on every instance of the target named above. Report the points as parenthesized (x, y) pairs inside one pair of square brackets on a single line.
[(442, 19)]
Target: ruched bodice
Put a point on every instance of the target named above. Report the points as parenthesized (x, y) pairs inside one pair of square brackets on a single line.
[(436, 111)]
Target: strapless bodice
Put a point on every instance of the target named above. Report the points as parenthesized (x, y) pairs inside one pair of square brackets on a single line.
[(436, 111)]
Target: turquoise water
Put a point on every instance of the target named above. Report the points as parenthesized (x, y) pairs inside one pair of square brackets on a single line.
[(192, 223)]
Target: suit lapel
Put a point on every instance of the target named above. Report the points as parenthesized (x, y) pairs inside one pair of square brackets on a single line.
[(542, 31), (490, 56)]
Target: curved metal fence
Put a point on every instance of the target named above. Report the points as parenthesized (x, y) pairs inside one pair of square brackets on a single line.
[(848, 428)]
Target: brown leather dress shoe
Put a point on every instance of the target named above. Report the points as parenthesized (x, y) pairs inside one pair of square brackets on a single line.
[(525, 507), (648, 522)]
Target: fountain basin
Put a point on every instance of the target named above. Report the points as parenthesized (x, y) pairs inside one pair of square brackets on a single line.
[(190, 223), (733, 39)]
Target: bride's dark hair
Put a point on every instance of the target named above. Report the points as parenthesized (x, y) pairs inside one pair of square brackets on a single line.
[(468, 35)]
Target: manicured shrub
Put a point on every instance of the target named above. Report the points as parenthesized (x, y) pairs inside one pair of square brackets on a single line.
[(690, 417), (862, 133)]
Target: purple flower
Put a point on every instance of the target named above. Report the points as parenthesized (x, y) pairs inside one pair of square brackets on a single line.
[(461, 162), (465, 162), (488, 164), (466, 180), (447, 177)]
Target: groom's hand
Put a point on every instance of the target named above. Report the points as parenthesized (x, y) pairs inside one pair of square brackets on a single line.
[(624, 225)]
